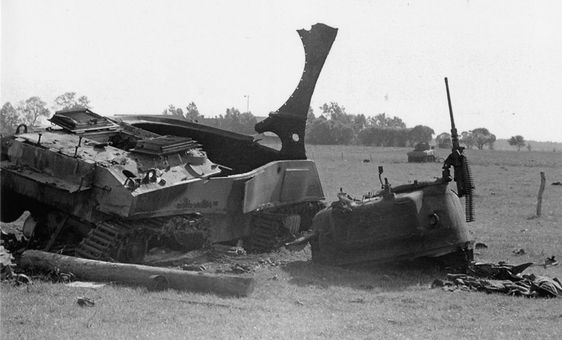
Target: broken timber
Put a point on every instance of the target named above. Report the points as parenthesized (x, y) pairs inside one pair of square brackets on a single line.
[(134, 274)]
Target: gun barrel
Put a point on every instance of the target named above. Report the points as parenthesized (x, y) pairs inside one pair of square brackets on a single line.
[(454, 134)]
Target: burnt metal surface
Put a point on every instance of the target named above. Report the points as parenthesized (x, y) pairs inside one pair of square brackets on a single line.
[(289, 121), (416, 220), (112, 189)]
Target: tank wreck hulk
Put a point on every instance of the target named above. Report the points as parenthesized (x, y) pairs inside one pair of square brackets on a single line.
[(113, 188), (422, 153), (423, 219)]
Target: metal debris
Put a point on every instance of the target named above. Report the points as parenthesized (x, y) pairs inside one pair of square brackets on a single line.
[(519, 251), (6, 264), (480, 245), (85, 302), (501, 278)]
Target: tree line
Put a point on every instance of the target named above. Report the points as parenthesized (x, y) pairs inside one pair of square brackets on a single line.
[(333, 125), (336, 126), (31, 110)]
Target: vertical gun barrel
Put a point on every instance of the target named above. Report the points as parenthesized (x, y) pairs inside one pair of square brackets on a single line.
[(454, 134)]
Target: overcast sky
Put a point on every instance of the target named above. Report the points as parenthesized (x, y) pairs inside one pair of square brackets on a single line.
[(503, 58)]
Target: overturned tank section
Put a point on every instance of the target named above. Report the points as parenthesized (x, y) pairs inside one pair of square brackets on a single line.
[(114, 188), (422, 219)]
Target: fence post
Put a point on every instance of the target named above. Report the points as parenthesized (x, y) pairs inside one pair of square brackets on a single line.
[(539, 198)]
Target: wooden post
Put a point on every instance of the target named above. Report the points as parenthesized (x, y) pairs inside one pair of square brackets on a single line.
[(539, 198), (139, 275)]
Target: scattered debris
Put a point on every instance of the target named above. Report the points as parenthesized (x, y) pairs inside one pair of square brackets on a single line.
[(501, 278), (549, 262), (57, 276), (268, 262), (22, 279), (480, 245), (241, 268), (229, 250), (6, 264), (519, 252), (358, 300), (85, 302), (500, 271)]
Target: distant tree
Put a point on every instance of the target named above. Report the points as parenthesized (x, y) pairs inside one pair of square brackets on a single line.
[(173, 111), (492, 141), (192, 112), (444, 141), (420, 133), (9, 119), (238, 122), (310, 117), (70, 101), (336, 112), (517, 141), (342, 134), (319, 132), (467, 139), (378, 136), (359, 123), (384, 121), (482, 136), (32, 109)]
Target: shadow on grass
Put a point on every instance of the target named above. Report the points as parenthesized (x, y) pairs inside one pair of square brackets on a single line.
[(389, 277)]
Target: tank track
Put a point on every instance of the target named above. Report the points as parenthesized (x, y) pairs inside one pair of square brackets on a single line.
[(127, 241), (267, 230)]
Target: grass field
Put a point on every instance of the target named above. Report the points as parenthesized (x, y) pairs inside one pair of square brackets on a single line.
[(297, 299)]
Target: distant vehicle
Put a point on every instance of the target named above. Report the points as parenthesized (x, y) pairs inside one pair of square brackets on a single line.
[(114, 188), (422, 152)]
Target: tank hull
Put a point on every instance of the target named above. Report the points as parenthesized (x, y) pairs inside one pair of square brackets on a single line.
[(425, 220)]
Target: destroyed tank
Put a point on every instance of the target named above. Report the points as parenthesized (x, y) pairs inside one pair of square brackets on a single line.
[(422, 153), (114, 188), (422, 219)]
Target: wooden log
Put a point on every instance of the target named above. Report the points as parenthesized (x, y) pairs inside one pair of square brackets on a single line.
[(539, 198), (139, 275)]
